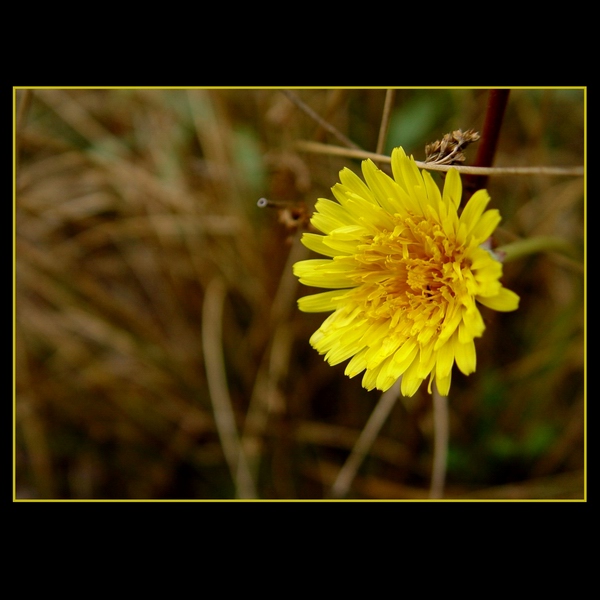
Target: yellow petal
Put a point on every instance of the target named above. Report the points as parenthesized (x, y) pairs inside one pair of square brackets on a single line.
[(405, 355), (433, 191), (353, 182), (357, 364), (505, 301), (474, 209), (324, 272), (443, 384), (410, 380), (452, 189), (465, 356), (405, 171), (445, 360), (486, 225), (314, 242), (322, 302)]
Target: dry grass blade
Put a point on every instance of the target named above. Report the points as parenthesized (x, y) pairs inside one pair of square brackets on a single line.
[(217, 383)]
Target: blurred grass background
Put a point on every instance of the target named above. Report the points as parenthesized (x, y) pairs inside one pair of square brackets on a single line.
[(143, 263)]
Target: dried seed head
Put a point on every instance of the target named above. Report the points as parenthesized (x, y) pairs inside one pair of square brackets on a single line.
[(448, 150)]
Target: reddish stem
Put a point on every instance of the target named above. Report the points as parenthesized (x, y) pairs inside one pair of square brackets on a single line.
[(497, 101)]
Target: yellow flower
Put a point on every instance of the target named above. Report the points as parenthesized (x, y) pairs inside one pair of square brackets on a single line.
[(406, 271)]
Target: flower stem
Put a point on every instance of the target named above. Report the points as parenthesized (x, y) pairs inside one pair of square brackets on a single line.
[(440, 448)]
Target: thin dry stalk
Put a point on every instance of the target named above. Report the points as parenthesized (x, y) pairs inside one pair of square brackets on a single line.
[(266, 397), (217, 385), (318, 148), (365, 441), (322, 122), (440, 448), (385, 120)]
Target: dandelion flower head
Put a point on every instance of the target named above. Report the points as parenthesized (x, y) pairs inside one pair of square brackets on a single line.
[(405, 272)]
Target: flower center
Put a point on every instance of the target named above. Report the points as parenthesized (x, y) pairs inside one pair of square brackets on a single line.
[(422, 277), (414, 270)]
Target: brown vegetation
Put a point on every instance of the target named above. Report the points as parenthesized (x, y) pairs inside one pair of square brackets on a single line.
[(156, 328)]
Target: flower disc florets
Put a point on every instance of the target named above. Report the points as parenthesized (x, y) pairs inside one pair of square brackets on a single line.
[(406, 272)]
